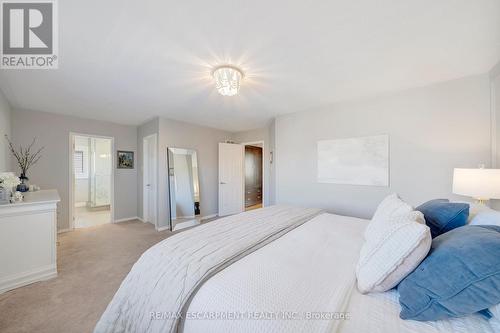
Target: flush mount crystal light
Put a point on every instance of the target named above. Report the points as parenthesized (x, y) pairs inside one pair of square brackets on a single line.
[(227, 79)]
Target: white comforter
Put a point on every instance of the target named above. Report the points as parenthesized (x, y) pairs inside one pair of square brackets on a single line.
[(156, 293), (305, 282)]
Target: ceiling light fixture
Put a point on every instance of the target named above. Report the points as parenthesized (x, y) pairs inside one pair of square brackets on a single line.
[(227, 79)]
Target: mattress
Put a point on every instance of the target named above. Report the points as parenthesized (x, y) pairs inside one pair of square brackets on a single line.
[(305, 282)]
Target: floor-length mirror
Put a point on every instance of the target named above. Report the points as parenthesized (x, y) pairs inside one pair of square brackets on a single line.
[(184, 188)]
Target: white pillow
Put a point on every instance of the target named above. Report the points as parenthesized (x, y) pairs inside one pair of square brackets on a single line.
[(391, 206), (486, 217), (393, 249)]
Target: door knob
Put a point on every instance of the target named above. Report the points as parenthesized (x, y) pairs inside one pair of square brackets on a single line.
[(222, 183)]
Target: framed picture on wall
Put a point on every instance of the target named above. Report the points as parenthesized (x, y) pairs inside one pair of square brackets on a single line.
[(354, 161), (125, 159)]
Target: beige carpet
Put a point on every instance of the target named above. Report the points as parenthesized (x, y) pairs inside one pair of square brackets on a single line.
[(92, 262)]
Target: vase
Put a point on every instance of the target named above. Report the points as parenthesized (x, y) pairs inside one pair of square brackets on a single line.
[(23, 187)]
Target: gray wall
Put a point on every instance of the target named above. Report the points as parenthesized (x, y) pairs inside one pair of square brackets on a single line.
[(52, 171), (432, 130), (261, 134), (5, 124), (205, 141)]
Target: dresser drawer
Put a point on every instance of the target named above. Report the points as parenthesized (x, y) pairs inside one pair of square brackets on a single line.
[(252, 197)]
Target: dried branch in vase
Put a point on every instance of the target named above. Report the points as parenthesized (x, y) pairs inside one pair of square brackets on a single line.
[(25, 157)]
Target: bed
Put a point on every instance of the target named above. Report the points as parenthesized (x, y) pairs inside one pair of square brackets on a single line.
[(297, 277)]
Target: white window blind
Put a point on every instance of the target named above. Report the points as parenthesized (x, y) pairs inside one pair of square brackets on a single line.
[(78, 163)]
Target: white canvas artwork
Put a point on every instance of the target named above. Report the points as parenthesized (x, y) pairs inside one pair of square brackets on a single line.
[(354, 161)]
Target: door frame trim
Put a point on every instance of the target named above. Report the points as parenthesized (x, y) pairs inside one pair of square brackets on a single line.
[(264, 183)]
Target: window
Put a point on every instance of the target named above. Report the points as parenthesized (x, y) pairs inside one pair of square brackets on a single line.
[(79, 164)]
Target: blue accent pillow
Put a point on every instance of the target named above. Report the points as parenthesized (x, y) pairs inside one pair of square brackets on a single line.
[(441, 215), (460, 276)]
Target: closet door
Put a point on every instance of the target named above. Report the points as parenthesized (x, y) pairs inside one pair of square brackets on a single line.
[(231, 178)]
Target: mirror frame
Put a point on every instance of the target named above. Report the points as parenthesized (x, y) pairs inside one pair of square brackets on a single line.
[(168, 182)]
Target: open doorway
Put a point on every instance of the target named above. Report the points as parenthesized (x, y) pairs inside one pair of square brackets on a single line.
[(253, 176), (92, 180)]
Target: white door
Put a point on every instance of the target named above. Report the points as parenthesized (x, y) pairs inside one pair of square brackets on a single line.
[(149, 179), (231, 178)]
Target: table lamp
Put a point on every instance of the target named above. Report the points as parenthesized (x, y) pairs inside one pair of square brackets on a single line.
[(481, 184)]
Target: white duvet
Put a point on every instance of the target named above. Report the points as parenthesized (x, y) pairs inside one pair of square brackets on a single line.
[(156, 293), (305, 282)]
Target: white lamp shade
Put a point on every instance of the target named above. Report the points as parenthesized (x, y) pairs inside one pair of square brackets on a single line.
[(481, 184)]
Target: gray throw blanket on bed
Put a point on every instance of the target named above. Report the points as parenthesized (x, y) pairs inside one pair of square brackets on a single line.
[(155, 295)]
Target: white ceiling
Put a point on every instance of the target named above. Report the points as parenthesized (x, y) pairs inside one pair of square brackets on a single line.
[(127, 61)]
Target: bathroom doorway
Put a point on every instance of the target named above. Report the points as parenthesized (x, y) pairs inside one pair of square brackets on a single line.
[(92, 180)]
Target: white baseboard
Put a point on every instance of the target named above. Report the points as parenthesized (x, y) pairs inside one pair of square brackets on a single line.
[(141, 219), (60, 231), (208, 217), (163, 228), (127, 219), (19, 280)]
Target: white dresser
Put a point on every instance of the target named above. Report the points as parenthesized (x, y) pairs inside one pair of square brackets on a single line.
[(28, 235)]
